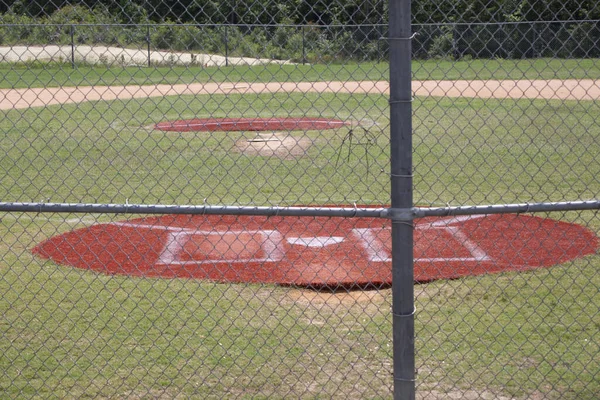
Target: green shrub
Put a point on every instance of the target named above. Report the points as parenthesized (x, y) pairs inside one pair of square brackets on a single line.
[(85, 26), (89, 26), (20, 29), (441, 46)]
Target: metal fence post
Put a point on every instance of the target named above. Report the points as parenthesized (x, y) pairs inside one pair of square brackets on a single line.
[(148, 41), (401, 198), (303, 46), (226, 47), (72, 32)]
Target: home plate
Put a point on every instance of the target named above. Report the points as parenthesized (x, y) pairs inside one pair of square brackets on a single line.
[(315, 241)]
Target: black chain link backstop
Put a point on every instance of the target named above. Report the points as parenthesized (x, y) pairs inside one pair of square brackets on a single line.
[(210, 200)]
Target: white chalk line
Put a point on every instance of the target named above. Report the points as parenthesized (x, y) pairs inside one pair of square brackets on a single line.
[(171, 254), (272, 242), (377, 252)]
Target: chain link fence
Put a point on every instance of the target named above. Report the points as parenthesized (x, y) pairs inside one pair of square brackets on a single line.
[(210, 200)]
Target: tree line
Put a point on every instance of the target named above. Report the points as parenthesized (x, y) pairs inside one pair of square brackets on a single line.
[(447, 28), (321, 12)]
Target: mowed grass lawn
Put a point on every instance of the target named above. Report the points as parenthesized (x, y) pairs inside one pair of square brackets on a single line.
[(70, 333), (43, 74), (467, 151)]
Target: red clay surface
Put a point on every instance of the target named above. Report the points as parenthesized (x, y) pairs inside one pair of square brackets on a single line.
[(315, 252), (250, 124)]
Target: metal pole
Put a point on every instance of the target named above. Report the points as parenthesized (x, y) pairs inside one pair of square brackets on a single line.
[(345, 212), (148, 42), (281, 211), (73, 46), (380, 56), (303, 46), (401, 198), (226, 47)]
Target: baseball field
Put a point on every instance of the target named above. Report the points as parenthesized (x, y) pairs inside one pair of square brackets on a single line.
[(485, 132)]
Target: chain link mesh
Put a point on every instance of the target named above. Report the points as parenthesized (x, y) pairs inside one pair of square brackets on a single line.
[(230, 113)]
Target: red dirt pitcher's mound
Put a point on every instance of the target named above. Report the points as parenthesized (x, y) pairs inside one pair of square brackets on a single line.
[(250, 124), (321, 252)]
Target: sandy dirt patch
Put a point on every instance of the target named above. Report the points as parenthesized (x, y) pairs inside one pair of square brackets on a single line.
[(274, 144), (316, 298), (586, 89), (117, 56)]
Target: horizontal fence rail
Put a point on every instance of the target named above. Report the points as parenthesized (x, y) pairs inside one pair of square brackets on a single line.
[(295, 211)]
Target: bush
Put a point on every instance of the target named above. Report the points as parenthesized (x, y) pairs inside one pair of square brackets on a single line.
[(20, 29), (584, 40), (97, 26), (441, 46), (89, 26)]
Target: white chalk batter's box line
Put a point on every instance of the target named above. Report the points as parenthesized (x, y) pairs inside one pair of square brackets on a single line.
[(375, 249), (377, 252), (175, 244)]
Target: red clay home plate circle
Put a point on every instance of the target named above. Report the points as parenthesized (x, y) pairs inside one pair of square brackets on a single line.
[(250, 124), (315, 252)]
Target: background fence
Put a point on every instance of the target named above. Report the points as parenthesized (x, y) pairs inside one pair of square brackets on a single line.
[(199, 199)]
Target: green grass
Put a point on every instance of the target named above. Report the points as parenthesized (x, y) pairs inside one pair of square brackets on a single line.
[(38, 74), (104, 152), (514, 334), (60, 74), (69, 333), (474, 151), (540, 68)]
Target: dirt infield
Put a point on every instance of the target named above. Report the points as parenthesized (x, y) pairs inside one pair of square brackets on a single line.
[(315, 252), (585, 89)]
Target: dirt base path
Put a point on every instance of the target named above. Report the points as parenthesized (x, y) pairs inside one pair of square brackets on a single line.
[(586, 89)]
